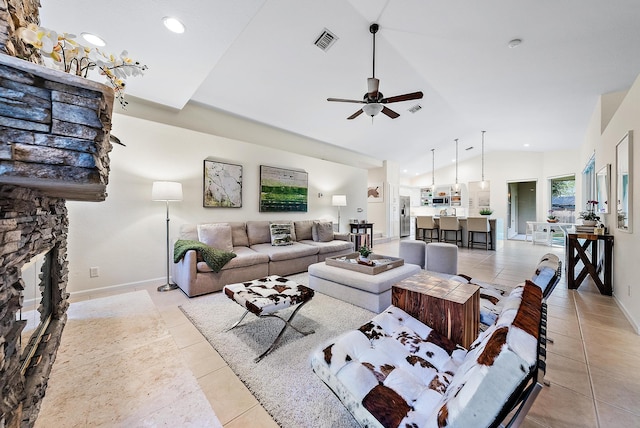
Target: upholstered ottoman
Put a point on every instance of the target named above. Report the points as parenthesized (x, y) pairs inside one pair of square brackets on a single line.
[(265, 296), (372, 292)]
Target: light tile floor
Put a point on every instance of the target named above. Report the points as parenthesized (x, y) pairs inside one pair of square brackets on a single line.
[(593, 364)]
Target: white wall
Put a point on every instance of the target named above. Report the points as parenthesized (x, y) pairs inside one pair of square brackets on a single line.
[(626, 288), (125, 235)]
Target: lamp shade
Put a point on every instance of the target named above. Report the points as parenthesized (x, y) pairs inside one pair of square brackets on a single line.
[(339, 200), (166, 191), (372, 109)]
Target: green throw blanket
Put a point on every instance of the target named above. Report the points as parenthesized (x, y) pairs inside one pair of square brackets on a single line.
[(213, 257)]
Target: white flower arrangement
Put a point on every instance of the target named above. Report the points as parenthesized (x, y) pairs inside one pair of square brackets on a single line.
[(63, 52)]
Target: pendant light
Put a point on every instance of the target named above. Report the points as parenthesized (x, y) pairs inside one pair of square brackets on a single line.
[(483, 184), (433, 170), (456, 187)]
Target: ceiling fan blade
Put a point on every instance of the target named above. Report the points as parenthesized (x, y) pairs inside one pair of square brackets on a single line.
[(343, 100), (372, 88), (354, 115), (392, 114), (405, 97)]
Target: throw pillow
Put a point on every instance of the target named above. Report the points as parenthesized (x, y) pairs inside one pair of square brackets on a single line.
[(216, 235), (281, 234), (322, 231)]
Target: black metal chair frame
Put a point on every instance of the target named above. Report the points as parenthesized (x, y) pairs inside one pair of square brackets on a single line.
[(443, 236)]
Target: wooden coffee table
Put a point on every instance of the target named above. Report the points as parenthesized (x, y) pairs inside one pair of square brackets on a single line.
[(451, 308)]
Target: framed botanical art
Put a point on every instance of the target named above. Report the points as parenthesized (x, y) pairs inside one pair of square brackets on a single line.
[(222, 186), (283, 189)]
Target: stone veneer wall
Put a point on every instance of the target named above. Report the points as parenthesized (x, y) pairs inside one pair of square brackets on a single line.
[(30, 224), (15, 14)]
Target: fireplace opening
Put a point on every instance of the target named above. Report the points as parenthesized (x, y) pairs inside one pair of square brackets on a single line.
[(38, 302)]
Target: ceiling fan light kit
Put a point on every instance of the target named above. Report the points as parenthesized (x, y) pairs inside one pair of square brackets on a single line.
[(373, 100)]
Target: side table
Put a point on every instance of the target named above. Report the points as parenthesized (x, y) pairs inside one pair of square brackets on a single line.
[(451, 308), (593, 263), (366, 227)]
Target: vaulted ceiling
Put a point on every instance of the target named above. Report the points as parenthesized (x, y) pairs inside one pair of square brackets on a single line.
[(257, 59)]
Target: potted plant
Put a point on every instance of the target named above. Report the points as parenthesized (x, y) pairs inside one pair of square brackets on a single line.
[(589, 217), (486, 211), (365, 252), (552, 218)]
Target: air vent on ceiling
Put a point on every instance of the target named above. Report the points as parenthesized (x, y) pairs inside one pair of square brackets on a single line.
[(325, 40), (415, 108)]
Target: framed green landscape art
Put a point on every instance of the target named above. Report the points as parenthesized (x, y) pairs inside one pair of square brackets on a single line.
[(222, 186), (283, 189)]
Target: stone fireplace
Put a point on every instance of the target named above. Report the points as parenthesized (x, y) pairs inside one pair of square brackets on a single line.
[(54, 146)]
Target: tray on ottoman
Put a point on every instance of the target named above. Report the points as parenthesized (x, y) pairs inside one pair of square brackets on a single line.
[(381, 263)]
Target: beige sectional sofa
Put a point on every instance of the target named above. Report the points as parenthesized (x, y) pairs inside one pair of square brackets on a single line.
[(256, 257)]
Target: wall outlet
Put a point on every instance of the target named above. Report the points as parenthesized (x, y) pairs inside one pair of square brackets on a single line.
[(94, 272)]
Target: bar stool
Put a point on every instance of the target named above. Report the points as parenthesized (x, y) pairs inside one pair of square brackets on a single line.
[(451, 224), (424, 223), (478, 225)]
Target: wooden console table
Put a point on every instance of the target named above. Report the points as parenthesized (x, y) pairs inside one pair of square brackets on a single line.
[(594, 264), (357, 227), (451, 308)]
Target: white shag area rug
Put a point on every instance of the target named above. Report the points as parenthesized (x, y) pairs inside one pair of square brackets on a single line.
[(283, 381)]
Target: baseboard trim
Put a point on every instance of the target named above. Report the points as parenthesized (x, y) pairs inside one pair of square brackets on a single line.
[(118, 287), (627, 315)]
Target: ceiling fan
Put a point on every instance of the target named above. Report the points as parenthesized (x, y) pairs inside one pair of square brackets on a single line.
[(374, 102)]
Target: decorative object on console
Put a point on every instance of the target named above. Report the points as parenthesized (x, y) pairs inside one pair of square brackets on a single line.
[(374, 102), (167, 191), (222, 185), (61, 51), (589, 217), (486, 211), (339, 201), (552, 218), (282, 189)]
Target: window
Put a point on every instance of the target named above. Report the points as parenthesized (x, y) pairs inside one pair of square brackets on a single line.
[(563, 198)]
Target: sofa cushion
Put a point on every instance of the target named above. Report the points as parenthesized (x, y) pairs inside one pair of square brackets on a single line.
[(281, 234), (288, 252), (322, 231), (188, 232), (258, 232), (303, 230), (393, 358), (329, 247), (239, 233), (244, 257), (216, 235)]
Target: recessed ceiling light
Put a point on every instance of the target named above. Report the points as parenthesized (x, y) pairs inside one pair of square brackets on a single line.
[(173, 24), (514, 43), (93, 39), (404, 170), (526, 145)]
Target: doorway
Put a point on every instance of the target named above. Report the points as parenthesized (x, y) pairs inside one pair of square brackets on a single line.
[(521, 207)]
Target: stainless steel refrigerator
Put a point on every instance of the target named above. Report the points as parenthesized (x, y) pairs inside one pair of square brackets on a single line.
[(405, 216)]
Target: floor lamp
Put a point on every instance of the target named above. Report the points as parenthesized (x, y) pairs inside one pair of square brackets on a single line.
[(339, 201), (166, 191)]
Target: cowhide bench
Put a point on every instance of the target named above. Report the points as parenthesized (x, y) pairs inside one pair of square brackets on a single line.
[(265, 296)]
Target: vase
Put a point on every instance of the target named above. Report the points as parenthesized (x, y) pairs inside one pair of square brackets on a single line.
[(364, 259), (552, 220), (589, 222)]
